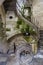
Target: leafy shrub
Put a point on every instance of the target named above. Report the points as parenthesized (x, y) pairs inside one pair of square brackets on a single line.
[(8, 29)]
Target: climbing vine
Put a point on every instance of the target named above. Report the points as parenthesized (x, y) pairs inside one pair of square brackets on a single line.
[(2, 32)]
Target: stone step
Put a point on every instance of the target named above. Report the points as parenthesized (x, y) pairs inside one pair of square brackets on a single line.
[(41, 39), (41, 30), (41, 35), (38, 56), (41, 42), (41, 46), (3, 59), (3, 63)]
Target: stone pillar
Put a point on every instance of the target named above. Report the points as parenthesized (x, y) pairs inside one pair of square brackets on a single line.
[(3, 43), (34, 48)]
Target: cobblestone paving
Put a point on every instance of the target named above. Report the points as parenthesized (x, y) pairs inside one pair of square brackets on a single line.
[(34, 62), (15, 58)]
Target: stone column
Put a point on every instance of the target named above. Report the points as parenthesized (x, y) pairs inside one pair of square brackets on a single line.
[(34, 48), (3, 43)]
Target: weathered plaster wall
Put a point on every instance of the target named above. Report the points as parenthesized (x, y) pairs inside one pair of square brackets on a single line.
[(38, 12)]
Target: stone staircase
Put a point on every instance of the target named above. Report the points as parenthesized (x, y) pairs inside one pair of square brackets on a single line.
[(41, 40)]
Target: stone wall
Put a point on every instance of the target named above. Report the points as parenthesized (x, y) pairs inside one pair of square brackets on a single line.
[(38, 12)]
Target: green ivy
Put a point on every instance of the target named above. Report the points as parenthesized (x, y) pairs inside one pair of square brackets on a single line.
[(25, 27), (19, 22), (8, 29), (2, 31)]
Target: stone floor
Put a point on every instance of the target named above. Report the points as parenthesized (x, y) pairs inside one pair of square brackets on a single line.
[(14, 61), (24, 59)]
